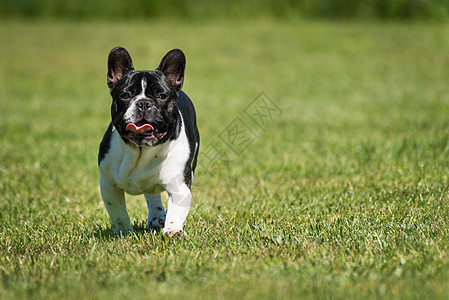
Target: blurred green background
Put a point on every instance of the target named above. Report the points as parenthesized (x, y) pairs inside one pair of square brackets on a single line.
[(192, 9), (344, 196)]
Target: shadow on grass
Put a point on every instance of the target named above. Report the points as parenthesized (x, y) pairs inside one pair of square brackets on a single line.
[(107, 233)]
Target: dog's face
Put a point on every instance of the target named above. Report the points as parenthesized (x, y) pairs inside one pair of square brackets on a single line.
[(144, 109)]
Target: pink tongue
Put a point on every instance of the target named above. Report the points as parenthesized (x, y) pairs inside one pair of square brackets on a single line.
[(141, 129)]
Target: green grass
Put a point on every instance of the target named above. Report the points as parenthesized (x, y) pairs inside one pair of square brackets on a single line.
[(345, 195), (212, 9)]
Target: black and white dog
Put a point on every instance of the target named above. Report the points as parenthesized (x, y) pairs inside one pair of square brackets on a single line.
[(151, 144)]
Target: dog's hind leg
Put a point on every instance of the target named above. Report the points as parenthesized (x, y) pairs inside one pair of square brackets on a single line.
[(156, 212)]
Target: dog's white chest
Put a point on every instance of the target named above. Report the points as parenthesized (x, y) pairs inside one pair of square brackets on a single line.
[(145, 170), (140, 179)]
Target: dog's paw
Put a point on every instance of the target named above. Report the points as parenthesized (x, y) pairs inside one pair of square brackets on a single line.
[(121, 230), (171, 233), (156, 223)]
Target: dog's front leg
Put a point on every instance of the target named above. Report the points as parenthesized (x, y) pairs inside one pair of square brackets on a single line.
[(178, 206), (114, 200)]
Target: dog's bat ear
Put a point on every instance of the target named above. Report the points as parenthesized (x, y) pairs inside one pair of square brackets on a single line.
[(119, 63), (173, 65)]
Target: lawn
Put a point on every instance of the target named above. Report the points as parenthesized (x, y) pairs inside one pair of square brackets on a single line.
[(335, 185)]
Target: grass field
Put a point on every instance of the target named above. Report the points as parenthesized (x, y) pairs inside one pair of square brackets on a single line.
[(340, 192)]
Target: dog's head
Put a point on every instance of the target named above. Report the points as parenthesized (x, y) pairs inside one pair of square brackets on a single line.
[(144, 109)]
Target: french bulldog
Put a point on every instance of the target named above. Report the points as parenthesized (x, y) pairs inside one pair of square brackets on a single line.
[(151, 144)]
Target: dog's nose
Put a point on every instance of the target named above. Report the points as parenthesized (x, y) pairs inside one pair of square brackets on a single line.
[(143, 104)]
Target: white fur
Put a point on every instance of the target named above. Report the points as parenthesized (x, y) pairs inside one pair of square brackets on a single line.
[(149, 171)]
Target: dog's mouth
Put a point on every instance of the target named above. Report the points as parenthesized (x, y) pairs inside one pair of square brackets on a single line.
[(145, 131)]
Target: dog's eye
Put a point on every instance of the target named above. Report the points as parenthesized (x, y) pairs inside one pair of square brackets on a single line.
[(163, 96), (126, 95)]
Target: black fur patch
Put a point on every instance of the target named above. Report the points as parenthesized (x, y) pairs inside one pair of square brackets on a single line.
[(105, 144), (187, 110)]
